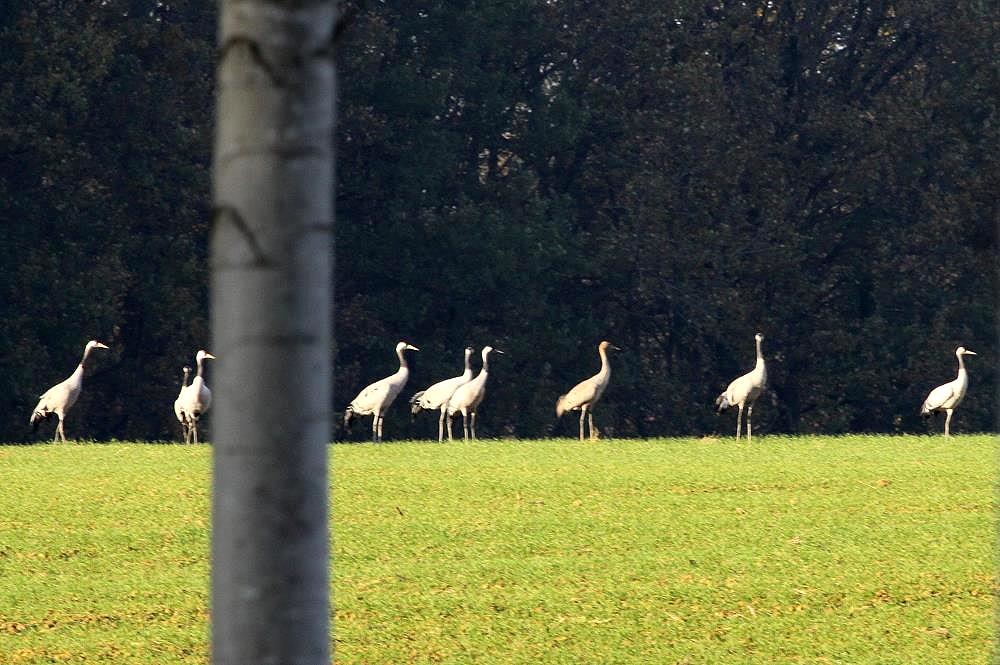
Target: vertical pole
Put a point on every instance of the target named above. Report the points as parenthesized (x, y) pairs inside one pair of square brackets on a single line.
[(271, 253)]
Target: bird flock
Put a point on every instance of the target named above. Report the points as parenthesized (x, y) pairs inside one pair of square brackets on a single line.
[(463, 394)]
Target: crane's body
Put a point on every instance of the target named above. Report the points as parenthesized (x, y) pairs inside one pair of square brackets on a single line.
[(947, 397), (61, 397), (745, 390), (195, 399), (467, 397), (376, 398), (585, 395), (436, 397), (178, 412)]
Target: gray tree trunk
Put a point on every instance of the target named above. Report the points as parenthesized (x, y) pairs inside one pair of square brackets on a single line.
[(271, 295)]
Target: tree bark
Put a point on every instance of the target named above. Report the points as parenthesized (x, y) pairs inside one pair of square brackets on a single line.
[(271, 253)]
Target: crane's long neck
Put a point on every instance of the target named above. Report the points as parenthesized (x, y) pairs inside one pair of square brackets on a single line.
[(404, 369), (759, 368), (87, 349), (961, 366), (605, 365), (201, 367), (468, 364)]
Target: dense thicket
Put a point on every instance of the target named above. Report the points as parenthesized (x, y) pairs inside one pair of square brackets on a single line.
[(537, 176)]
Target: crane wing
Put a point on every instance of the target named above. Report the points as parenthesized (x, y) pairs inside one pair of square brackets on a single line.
[(939, 397)]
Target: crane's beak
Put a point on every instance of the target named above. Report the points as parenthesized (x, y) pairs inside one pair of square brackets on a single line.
[(616, 348), (411, 347), (970, 353), (209, 355), (499, 351), (101, 346)]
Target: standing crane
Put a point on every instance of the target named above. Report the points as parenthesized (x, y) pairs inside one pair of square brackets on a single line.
[(745, 390), (61, 397), (584, 395), (181, 418), (469, 396), (376, 398), (947, 397), (436, 397), (195, 399)]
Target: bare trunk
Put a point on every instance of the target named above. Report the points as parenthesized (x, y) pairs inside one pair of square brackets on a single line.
[(271, 295)]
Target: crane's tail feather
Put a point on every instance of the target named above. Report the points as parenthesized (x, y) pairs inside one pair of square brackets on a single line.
[(37, 417), (415, 407), (924, 411), (721, 403), (560, 406)]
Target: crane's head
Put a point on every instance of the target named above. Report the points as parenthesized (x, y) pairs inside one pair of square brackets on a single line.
[(759, 337), (962, 351), (186, 370), (469, 351), (405, 346), (605, 345), (203, 354), (487, 350), (94, 344)]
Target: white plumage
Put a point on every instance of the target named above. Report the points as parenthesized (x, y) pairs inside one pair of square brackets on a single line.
[(195, 399), (947, 397), (745, 390), (376, 398), (584, 395), (178, 412), (61, 397), (467, 397), (436, 397)]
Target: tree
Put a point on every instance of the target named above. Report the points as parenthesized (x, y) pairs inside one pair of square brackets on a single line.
[(271, 282)]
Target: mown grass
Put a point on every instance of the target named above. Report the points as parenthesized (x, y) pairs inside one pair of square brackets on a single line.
[(807, 549)]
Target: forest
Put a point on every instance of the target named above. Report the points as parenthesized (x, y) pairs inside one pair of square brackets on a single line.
[(537, 176)]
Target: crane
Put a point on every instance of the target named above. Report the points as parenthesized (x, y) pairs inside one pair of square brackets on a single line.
[(196, 398), (436, 397), (469, 396), (745, 390), (61, 397), (584, 395), (376, 398), (181, 418), (947, 397)]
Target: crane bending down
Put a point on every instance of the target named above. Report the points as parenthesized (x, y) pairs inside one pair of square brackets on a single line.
[(468, 396), (181, 418), (585, 394), (61, 397), (947, 397), (745, 390), (436, 397), (376, 398), (195, 399)]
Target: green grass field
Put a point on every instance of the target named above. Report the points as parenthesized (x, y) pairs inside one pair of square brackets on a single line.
[(858, 549)]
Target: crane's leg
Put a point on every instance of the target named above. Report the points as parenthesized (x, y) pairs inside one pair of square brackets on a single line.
[(749, 414), (375, 427), (381, 420), (194, 432), (450, 437), (60, 434), (739, 422), (465, 423), (444, 410), (594, 434), (473, 417), (947, 422), (583, 414)]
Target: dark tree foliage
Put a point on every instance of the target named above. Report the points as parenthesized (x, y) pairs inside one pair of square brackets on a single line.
[(537, 176)]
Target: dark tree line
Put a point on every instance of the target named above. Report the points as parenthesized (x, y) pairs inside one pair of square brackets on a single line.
[(537, 176)]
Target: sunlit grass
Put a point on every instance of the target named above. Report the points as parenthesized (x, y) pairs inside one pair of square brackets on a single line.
[(808, 549), (811, 549)]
